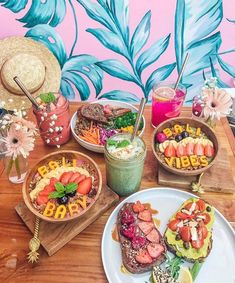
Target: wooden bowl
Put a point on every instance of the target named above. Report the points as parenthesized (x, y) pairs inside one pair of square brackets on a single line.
[(58, 156), (193, 123)]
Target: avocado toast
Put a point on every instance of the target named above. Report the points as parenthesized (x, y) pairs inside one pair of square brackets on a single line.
[(189, 231)]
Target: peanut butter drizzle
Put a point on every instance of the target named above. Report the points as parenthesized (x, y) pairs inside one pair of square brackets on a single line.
[(152, 210), (115, 236), (124, 270)]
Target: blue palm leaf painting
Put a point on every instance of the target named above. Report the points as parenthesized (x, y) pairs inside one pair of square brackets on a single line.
[(114, 16), (40, 12), (120, 95), (75, 69), (195, 25)]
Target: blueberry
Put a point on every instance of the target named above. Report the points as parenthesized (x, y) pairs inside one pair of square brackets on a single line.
[(71, 194), (63, 200), (178, 138), (184, 134)]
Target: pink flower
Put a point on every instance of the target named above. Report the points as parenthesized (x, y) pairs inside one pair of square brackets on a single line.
[(18, 142), (217, 103)]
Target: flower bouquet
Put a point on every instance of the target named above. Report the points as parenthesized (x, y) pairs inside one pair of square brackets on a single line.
[(212, 104), (17, 138)]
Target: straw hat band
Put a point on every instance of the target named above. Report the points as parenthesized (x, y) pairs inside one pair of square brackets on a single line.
[(33, 63), (28, 68)]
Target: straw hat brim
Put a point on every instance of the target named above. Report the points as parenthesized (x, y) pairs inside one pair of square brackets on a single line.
[(21, 45)]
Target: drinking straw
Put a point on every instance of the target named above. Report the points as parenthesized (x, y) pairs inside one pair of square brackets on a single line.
[(26, 92), (181, 71), (138, 118)]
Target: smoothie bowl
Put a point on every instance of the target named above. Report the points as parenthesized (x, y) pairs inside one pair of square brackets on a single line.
[(185, 146), (92, 124), (62, 186)]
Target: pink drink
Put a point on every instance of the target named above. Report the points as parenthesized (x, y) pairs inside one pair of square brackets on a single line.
[(166, 103), (53, 120)]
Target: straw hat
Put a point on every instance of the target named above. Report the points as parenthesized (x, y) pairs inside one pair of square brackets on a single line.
[(33, 64)]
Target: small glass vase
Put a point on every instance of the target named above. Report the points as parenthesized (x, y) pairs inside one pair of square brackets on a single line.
[(16, 169)]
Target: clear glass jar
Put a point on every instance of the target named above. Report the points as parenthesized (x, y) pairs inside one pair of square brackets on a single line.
[(16, 169), (124, 175)]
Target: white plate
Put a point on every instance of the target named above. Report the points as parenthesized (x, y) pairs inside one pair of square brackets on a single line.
[(100, 148), (219, 265)]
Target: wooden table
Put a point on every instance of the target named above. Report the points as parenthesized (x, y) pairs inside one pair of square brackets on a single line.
[(80, 260)]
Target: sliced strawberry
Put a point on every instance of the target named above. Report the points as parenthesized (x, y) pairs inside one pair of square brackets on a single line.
[(198, 149), (201, 205), (209, 150), (181, 150), (64, 178), (127, 217), (80, 179), (188, 206), (137, 242), (74, 177), (197, 244), (41, 199), (85, 186), (145, 215), (53, 181), (153, 236), (202, 231), (169, 151), (173, 224), (128, 232), (143, 257), (185, 233), (190, 148), (155, 250), (47, 190), (183, 216), (138, 207), (146, 227)]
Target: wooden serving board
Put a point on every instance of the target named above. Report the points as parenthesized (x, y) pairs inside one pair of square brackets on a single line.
[(54, 236), (218, 178)]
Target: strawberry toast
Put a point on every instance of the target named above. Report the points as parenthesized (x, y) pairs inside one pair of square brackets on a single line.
[(142, 245)]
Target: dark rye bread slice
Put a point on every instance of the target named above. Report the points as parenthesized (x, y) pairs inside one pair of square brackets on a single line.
[(128, 253)]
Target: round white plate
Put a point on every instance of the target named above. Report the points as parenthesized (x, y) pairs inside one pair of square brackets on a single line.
[(219, 265)]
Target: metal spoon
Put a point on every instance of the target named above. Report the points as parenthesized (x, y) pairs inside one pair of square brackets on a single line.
[(138, 118)]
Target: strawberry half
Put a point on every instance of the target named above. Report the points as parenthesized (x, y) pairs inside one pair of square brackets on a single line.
[(189, 149), (143, 257), (153, 236), (138, 207), (198, 149), (146, 227), (155, 250), (85, 186), (64, 178), (74, 177), (209, 151), (180, 151), (145, 215), (169, 151)]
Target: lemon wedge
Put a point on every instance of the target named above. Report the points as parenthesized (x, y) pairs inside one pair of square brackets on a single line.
[(164, 94), (185, 275)]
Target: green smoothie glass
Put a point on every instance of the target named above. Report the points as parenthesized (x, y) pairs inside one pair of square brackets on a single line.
[(124, 163)]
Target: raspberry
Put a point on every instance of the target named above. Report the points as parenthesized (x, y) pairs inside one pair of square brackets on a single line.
[(138, 242), (127, 217), (128, 232)]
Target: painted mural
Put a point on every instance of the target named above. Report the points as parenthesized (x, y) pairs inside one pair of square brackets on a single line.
[(118, 49)]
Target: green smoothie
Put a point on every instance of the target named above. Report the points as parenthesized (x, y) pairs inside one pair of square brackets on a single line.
[(124, 163)]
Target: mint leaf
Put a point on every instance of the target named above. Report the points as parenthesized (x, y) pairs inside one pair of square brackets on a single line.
[(71, 187), (123, 143), (56, 195), (47, 97), (59, 187), (111, 142)]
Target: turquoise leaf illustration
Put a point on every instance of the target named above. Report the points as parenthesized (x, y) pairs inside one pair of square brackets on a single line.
[(40, 12), (141, 34), (14, 5), (159, 75), (231, 21), (109, 40), (220, 83), (120, 95), (73, 70), (117, 69), (151, 55), (49, 37), (226, 67), (114, 16), (120, 11), (195, 22)]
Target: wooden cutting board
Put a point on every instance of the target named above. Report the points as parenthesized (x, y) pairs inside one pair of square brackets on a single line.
[(54, 236), (218, 178)]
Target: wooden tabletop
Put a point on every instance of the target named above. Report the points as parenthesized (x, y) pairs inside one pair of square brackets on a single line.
[(80, 260)]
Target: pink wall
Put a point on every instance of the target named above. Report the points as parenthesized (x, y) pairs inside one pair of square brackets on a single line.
[(162, 24)]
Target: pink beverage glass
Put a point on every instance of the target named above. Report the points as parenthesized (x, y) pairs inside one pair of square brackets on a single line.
[(54, 123), (166, 103)]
